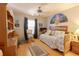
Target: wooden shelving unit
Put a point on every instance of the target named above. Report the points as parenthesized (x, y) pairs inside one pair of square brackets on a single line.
[(11, 41), (7, 32)]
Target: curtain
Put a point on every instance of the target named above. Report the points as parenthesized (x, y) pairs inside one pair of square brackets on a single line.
[(36, 29), (25, 28)]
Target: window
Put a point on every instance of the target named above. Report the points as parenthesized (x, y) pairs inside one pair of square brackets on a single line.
[(31, 25)]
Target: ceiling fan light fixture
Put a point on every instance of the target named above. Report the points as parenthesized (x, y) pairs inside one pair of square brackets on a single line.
[(39, 10)]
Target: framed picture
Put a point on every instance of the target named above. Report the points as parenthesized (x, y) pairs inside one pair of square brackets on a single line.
[(40, 25), (16, 23), (58, 18)]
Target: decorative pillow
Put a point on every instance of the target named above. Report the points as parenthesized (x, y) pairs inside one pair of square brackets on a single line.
[(48, 32), (53, 32), (59, 33)]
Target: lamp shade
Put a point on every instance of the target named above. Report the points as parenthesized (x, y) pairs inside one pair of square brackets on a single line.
[(77, 32)]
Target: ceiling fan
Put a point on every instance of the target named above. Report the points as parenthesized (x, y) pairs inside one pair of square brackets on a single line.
[(39, 10)]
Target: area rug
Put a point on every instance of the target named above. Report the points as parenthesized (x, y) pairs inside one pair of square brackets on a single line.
[(37, 50)]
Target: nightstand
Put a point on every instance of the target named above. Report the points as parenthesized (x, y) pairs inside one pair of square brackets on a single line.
[(75, 46)]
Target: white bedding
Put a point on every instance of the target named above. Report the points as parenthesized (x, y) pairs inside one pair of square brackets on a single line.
[(49, 40), (54, 41)]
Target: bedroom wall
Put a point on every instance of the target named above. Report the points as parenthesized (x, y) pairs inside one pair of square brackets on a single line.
[(19, 30), (72, 15), (73, 18), (20, 16)]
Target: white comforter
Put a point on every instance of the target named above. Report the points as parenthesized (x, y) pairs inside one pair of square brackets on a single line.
[(55, 42)]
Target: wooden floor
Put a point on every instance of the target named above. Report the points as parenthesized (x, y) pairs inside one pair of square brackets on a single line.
[(24, 51)]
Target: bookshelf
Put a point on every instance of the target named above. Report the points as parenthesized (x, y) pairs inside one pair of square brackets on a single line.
[(8, 40), (10, 29)]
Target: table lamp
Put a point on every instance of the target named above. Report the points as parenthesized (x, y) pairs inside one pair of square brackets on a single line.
[(77, 33)]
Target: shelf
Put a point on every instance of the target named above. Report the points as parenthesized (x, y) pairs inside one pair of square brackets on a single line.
[(10, 26), (10, 22), (12, 41), (9, 31), (9, 14), (8, 42)]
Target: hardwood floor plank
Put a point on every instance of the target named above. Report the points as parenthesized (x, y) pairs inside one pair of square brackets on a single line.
[(24, 51)]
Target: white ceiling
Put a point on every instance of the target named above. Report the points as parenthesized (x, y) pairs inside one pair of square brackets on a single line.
[(47, 8)]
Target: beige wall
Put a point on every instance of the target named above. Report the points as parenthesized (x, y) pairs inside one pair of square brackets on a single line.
[(20, 29), (20, 16), (72, 15), (73, 18)]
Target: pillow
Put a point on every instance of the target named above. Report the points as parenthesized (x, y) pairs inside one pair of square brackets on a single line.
[(48, 32), (53, 32), (59, 33)]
